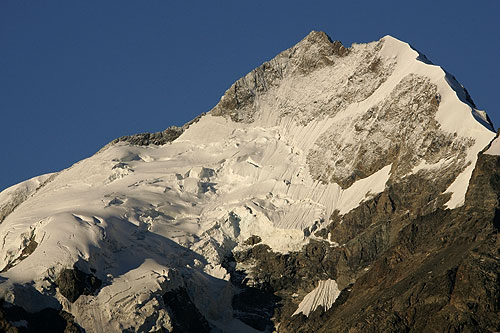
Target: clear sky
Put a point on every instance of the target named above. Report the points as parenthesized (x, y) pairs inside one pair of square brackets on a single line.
[(76, 74)]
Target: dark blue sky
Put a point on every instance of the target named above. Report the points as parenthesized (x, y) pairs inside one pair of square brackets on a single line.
[(76, 74)]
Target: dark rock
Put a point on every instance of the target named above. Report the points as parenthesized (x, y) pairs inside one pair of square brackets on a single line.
[(438, 273), (338, 48), (277, 271), (255, 307), (47, 320), (252, 240), (27, 250), (157, 138), (73, 282), (268, 287), (185, 316)]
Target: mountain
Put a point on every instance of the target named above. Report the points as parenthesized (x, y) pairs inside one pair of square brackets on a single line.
[(331, 189)]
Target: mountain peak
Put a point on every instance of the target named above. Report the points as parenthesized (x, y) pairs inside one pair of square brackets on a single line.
[(319, 174), (313, 52), (323, 45), (316, 36), (368, 86)]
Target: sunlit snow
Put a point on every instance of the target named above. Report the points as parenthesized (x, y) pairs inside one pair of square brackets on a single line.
[(323, 295)]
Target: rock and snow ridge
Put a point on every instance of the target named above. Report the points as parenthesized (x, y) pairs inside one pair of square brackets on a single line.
[(314, 132)]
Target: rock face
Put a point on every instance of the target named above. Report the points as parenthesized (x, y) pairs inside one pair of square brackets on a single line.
[(14, 319), (367, 71), (186, 317), (157, 138), (401, 129), (73, 282), (439, 273), (332, 189), (436, 272)]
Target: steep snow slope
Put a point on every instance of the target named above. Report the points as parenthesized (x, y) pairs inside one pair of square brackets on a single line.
[(314, 132), (494, 148), (323, 295)]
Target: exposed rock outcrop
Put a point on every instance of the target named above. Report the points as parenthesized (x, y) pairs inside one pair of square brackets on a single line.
[(29, 248), (367, 72), (156, 138), (73, 282), (401, 129), (14, 319), (186, 317)]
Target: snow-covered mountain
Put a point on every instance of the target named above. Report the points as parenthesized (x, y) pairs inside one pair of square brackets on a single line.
[(267, 212)]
